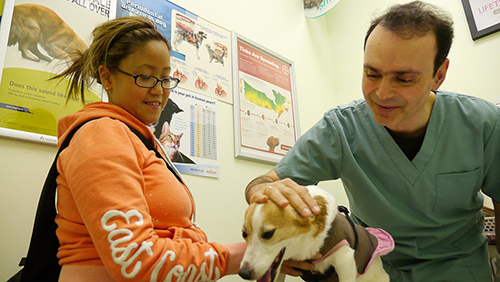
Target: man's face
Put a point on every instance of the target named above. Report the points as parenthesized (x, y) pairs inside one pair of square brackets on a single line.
[(398, 79)]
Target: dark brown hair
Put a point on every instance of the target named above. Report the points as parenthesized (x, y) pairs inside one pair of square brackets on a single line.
[(417, 19), (112, 42)]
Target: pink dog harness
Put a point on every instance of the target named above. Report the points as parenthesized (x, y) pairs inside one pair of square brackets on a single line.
[(385, 244)]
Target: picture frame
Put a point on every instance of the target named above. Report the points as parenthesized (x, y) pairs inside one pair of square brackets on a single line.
[(266, 123), (483, 17)]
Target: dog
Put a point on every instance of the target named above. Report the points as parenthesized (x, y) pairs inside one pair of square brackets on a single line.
[(272, 142), (212, 54), (190, 37), (170, 109), (274, 234), (34, 24)]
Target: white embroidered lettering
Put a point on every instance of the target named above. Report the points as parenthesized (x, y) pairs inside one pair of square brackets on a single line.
[(122, 236), (188, 275)]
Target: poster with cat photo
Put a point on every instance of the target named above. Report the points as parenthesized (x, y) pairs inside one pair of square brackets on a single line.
[(187, 129), (35, 36)]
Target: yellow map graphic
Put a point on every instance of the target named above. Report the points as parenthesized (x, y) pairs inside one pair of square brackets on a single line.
[(279, 105)]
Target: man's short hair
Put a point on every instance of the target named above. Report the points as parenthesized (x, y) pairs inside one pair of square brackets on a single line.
[(417, 19)]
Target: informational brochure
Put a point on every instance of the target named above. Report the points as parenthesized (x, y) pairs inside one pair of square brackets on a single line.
[(265, 107), (36, 35), (201, 50), (187, 129)]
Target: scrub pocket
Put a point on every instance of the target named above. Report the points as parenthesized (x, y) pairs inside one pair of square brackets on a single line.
[(456, 191)]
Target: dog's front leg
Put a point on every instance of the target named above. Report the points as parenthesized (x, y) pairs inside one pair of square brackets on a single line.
[(23, 48), (343, 262), (177, 40)]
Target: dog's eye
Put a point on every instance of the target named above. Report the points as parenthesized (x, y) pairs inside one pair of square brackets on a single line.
[(244, 234), (267, 235)]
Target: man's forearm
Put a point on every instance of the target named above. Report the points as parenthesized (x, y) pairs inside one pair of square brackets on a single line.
[(256, 181)]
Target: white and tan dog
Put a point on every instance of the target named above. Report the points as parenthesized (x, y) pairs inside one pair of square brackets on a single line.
[(275, 234)]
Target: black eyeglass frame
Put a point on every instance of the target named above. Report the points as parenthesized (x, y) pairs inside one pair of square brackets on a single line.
[(135, 76)]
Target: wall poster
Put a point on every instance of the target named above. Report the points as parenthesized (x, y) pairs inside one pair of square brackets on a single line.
[(201, 50), (187, 129), (483, 17), (30, 105), (265, 102)]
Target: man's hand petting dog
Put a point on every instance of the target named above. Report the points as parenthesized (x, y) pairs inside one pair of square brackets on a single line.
[(282, 192)]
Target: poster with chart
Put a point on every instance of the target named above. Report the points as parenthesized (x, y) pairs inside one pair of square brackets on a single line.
[(187, 129), (201, 50), (35, 36), (265, 105)]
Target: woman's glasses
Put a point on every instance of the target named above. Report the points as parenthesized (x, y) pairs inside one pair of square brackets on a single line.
[(149, 81)]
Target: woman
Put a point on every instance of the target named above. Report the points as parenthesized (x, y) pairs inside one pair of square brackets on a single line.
[(122, 214)]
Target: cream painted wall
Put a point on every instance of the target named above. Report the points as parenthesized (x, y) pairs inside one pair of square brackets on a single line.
[(328, 56)]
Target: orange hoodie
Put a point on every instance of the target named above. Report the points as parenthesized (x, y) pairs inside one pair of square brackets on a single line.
[(119, 205)]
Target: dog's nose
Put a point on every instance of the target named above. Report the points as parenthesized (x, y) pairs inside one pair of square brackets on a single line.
[(246, 273)]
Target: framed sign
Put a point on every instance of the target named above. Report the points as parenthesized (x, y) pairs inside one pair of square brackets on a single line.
[(266, 123), (483, 17)]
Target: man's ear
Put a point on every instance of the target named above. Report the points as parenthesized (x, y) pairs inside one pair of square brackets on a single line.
[(105, 77), (441, 74)]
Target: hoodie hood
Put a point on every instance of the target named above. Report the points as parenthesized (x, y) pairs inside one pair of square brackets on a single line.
[(97, 110)]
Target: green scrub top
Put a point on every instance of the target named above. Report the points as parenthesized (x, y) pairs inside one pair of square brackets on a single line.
[(431, 205)]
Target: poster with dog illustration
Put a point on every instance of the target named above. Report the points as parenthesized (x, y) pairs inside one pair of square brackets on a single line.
[(265, 107), (201, 50), (38, 35)]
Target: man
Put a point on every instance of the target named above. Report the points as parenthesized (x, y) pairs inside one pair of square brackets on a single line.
[(413, 160)]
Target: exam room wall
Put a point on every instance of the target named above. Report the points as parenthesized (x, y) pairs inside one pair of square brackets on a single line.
[(328, 55)]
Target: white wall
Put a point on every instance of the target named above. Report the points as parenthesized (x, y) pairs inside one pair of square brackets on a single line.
[(328, 56)]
